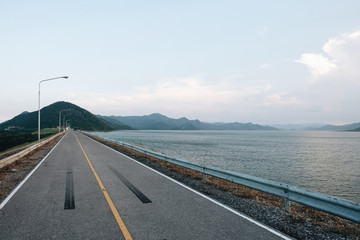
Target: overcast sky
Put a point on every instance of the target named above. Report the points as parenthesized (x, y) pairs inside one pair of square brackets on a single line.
[(264, 62)]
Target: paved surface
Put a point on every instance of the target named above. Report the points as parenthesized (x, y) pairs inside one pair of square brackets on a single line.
[(79, 189)]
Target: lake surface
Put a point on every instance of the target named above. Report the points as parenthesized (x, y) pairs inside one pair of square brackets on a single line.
[(326, 162)]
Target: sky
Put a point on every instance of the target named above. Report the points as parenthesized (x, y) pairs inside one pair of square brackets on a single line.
[(266, 62)]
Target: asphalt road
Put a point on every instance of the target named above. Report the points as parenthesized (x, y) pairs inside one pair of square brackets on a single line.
[(84, 190)]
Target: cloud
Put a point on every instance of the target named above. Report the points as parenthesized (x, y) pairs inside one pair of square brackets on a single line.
[(334, 77), (345, 47), (189, 96), (317, 64), (340, 60)]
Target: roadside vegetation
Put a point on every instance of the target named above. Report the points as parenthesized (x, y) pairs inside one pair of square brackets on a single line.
[(23, 137)]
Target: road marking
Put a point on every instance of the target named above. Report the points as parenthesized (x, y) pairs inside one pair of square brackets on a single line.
[(28, 176), (118, 219)]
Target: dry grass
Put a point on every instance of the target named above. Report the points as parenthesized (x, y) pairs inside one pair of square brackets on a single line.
[(297, 212)]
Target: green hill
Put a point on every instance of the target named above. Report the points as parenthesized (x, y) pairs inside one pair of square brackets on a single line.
[(78, 118)]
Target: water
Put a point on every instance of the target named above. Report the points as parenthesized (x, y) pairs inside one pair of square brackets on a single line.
[(326, 162)]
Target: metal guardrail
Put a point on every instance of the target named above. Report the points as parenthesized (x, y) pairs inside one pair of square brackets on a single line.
[(333, 205)]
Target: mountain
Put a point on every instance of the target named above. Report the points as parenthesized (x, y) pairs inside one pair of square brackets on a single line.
[(243, 126), (305, 126), (115, 123), (157, 121), (347, 127), (77, 116), (356, 130)]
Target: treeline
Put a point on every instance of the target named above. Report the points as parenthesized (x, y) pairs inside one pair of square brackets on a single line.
[(9, 139)]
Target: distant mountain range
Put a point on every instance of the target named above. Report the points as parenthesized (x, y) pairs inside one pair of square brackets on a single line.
[(318, 127), (84, 120), (346, 127), (304, 126), (157, 121)]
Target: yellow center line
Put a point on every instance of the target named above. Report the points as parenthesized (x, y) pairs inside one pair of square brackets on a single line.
[(118, 219)]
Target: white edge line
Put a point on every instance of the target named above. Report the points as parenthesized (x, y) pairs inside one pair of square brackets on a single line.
[(7, 199), (276, 232)]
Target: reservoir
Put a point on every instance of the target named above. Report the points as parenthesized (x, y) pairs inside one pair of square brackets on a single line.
[(321, 161)]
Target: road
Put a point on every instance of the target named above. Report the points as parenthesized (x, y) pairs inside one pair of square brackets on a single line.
[(85, 190)]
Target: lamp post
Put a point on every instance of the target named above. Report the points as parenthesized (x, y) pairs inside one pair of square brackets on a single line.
[(64, 122), (67, 123), (64, 117), (60, 117), (50, 79)]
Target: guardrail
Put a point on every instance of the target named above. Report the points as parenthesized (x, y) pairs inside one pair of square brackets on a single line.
[(333, 205)]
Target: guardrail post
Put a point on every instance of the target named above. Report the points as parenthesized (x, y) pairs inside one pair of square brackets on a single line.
[(204, 174), (287, 204), (286, 199)]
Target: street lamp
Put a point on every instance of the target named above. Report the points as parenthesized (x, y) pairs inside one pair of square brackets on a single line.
[(50, 79), (66, 124), (63, 123), (60, 117)]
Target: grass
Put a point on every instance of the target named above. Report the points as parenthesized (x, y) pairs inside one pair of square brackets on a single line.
[(15, 141), (48, 131)]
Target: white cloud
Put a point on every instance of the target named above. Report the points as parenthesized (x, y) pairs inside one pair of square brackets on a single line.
[(341, 60), (317, 64), (182, 97), (345, 48), (334, 77)]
